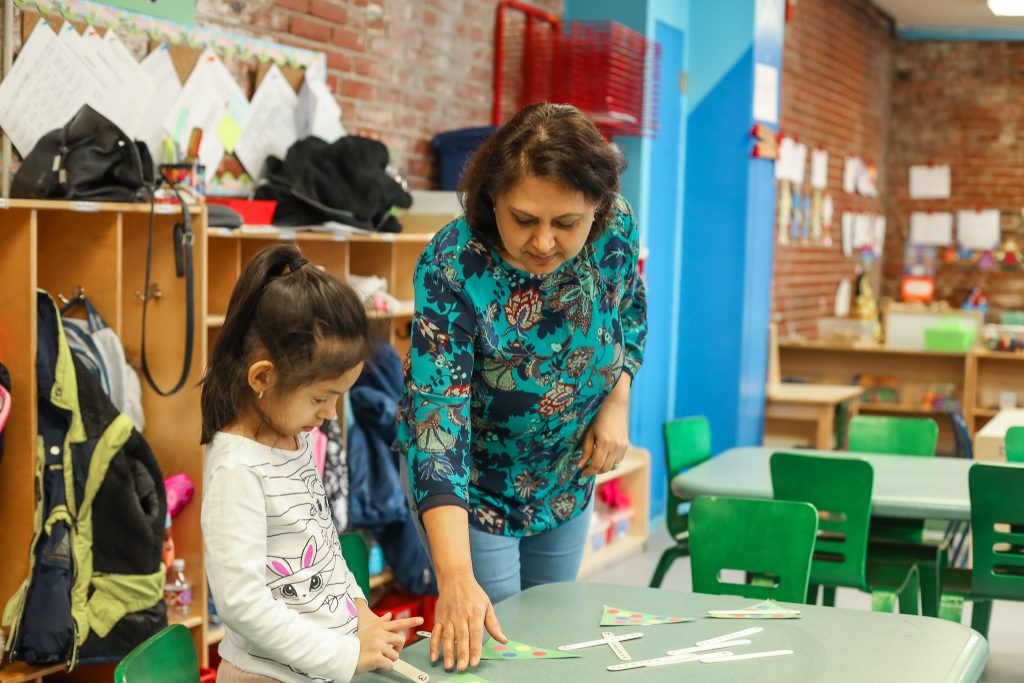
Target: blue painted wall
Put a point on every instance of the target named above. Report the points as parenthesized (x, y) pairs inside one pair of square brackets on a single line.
[(653, 183), (728, 208)]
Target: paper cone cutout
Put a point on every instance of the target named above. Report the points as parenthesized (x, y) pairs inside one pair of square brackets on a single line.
[(513, 650), (613, 616), (762, 610)]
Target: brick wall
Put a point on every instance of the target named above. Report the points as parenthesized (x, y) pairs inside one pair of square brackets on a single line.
[(837, 68), (402, 70), (959, 103)]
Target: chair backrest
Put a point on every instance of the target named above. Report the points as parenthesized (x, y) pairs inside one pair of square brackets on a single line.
[(167, 657), (893, 435), (771, 539), (353, 548), (687, 443), (997, 528), (1015, 444), (840, 489)]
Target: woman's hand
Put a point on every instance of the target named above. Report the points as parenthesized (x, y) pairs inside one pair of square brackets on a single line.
[(607, 437), (463, 609), (462, 613)]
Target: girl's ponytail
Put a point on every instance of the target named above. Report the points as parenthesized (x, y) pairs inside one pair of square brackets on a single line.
[(287, 308)]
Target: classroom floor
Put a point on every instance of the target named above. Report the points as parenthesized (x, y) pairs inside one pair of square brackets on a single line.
[(1006, 637)]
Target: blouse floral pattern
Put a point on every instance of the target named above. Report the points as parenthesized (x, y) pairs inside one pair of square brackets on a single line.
[(508, 368)]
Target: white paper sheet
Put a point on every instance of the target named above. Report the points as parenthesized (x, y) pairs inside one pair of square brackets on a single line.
[(864, 231), (799, 163), (931, 229), (867, 180), (272, 126), (766, 93), (200, 104), (978, 230), (784, 162), (111, 101), (137, 90), (319, 114), (878, 228), (45, 88), (929, 182), (819, 169), (847, 233), (851, 172), (159, 68)]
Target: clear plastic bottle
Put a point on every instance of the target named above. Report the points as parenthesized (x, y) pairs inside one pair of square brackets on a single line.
[(177, 591)]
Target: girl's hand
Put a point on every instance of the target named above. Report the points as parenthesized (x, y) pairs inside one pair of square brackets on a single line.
[(380, 641), (607, 437), (462, 613)]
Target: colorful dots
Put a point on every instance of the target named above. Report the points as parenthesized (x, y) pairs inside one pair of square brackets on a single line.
[(500, 648), (540, 654), (508, 654), (612, 611), (523, 648)]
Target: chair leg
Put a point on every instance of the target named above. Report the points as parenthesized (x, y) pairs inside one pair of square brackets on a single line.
[(910, 593), (883, 601), (981, 616), (812, 593), (667, 558), (828, 596), (951, 607)]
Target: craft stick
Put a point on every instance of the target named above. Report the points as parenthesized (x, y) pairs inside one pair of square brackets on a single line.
[(410, 672), (657, 661), (716, 657), (708, 647), (603, 641), (731, 636)]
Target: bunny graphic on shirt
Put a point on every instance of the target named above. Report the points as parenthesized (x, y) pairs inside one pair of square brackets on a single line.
[(305, 582)]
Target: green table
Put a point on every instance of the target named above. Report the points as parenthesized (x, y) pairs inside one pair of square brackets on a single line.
[(906, 487), (829, 644)]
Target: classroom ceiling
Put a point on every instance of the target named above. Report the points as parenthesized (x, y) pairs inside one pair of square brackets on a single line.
[(957, 14)]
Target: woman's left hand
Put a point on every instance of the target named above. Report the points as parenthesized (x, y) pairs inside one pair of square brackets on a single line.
[(607, 437)]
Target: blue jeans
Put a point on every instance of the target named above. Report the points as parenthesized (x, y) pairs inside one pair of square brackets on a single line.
[(505, 565)]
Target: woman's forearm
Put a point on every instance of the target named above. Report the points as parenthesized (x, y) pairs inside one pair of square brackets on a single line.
[(447, 529)]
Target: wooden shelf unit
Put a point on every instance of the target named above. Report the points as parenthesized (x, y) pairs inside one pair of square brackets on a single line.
[(101, 247), (634, 474), (978, 376)]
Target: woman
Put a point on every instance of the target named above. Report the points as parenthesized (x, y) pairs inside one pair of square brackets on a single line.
[(529, 326)]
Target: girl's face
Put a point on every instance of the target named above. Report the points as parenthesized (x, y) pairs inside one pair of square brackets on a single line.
[(542, 224), (307, 407)]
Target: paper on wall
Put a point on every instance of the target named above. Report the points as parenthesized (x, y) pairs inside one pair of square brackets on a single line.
[(159, 68), (113, 98), (272, 126), (867, 180), (978, 230), (929, 182), (819, 169), (202, 103), (847, 234), (47, 85), (136, 87), (851, 172), (931, 229), (766, 93), (784, 163), (799, 163), (319, 114), (864, 232), (878, 228)]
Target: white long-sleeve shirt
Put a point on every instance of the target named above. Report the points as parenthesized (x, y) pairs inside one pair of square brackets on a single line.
[(274, 563)]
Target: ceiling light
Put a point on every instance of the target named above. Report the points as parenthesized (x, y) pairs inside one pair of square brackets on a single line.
[(1007, 8)]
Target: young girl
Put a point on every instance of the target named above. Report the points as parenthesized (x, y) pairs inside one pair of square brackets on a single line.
[(293, 342)]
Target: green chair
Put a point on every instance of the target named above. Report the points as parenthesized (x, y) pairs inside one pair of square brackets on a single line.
[(840, 489), (997, 517), (353, 548), (167, 657), (687, 443), (893, 435), (1015, 444), (770, 540)]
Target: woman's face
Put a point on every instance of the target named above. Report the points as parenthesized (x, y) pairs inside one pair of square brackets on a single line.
[(542, 224)]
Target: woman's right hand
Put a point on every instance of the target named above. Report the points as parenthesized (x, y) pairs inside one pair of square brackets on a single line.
[(462, 613)]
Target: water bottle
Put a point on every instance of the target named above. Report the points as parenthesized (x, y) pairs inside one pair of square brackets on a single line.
[(177, 591)]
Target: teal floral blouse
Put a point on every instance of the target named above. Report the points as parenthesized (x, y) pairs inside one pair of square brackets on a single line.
[(507, 369)]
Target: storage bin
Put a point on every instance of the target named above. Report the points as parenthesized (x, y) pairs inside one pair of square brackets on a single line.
[(454, 148), (252, 211), (597, 536), (402, 606), (618, 524), (948, 335), (207, 675)]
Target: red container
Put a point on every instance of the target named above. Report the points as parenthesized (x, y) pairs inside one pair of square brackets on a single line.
[(402, 606), (252, 211), (207, 675)]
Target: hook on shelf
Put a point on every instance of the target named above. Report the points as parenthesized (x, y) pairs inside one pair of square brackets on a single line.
[(154, 292), (77, 294)]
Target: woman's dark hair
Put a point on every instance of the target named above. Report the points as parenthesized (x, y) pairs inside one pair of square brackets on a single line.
[(556, 142), (310, 324)]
